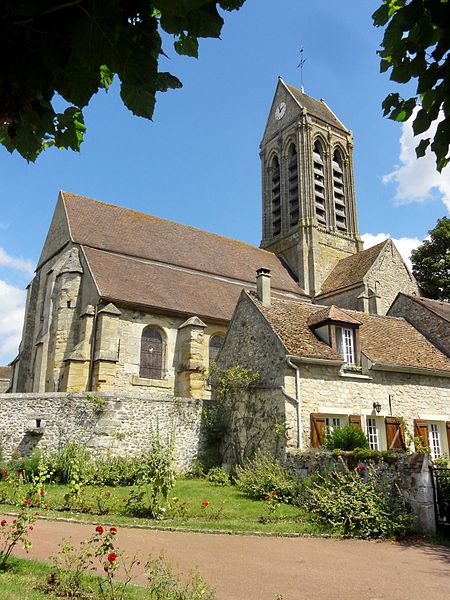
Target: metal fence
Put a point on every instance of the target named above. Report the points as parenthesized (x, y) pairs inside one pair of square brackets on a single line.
[(440, 477)]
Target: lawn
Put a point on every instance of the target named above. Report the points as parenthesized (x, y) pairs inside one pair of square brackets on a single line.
[(193, 504)]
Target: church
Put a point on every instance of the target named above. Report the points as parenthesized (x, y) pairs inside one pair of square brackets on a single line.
[(127, 302)]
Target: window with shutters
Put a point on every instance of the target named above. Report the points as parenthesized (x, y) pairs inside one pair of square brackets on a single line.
[(152, 354), (345, 344), (215, 344), (293, 186), (319, 183), (395, 436), (275, 195), (373, 433), (429, 434), (333, 422), (340, 211)]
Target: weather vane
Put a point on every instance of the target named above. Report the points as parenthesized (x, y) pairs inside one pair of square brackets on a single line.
[(300, 64)]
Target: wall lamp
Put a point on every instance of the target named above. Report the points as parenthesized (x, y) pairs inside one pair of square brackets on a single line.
[(377, 407)]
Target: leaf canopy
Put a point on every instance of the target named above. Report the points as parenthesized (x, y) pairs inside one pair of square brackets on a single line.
[(431, 262)]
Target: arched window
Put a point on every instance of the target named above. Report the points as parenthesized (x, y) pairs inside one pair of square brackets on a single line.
[(152, 354), (340, 210), (275, 196), (293, 186), (215, 344), (319, 183)]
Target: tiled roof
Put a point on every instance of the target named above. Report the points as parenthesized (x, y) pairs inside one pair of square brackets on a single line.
[(122, 279), (384, 340), (123, 231), (332, 313), (352, 269), (317, 108), (442, 309), (5, 372)]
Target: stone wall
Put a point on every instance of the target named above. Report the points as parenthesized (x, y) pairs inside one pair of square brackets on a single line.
[(124, 425)]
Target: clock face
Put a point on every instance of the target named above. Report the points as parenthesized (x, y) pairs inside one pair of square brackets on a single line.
[(280, 111)]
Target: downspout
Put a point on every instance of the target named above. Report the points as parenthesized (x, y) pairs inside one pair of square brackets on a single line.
[(93, 342), (297, 400)]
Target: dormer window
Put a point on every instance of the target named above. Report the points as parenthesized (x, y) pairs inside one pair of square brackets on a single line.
[(345, 344), (339, 330)]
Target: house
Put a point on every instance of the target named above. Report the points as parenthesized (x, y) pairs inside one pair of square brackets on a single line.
[(124, 301), (322, 367)]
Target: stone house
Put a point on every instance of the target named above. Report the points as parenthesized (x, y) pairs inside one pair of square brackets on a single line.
[(124, 301), (322, 367)]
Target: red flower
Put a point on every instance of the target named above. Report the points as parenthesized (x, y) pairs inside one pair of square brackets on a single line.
[(112, 557), (5, 474), (41, 492), (99, 529), (361, 467), (30, 527), (273, 493), (4, 522), (205, 503), (27, 501), (15, 521), (113, 530)]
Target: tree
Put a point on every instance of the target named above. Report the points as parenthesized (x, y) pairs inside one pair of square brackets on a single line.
[(73, 48), (431, 262), (416, 45)]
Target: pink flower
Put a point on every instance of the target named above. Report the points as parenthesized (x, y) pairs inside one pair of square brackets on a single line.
[(205, 503), (4, 522), (361, 467), (112, 557), (27, 501), (99, 529), (113, 530)]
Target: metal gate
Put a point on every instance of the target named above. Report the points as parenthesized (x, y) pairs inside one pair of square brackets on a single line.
[(440, 477)]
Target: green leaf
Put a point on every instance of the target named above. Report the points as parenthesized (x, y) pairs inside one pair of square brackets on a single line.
[(187, 45), (422, 147), (421, 122)]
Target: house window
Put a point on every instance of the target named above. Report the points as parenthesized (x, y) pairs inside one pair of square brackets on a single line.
[(152, 354), (332, 423), (345, 343), (293, 186), (215, 344), (372, 433), (434, 439), (275, 196), (319, 183)]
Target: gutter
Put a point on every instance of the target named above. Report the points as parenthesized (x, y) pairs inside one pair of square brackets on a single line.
[(297, 399), (413, 370), (93, 342), (329, 362)]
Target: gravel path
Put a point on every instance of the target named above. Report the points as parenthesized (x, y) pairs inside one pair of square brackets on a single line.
[(258, 568)]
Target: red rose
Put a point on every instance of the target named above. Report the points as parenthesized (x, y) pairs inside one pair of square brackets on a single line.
[(4, 522), (112, 557), (15, 521), (273, 493), (27, 501), (41, 492), (99, 529), (5, 474), (30, 527), (205, 503), (113, 530)]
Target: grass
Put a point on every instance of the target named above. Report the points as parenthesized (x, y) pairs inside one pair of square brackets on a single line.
[(228, 510)]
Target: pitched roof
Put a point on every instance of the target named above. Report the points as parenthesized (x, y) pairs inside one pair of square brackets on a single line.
[(352, 269), (130, 233), (384, 340), (317, 108), (331, 313), (442, 309)]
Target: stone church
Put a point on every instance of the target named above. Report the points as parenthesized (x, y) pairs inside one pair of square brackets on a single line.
[(127, 302)]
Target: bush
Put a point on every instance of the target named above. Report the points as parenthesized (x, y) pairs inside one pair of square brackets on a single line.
[(28, 465), (365, 502), (218, 476), (262, 475), (70, 459), (346, 438)]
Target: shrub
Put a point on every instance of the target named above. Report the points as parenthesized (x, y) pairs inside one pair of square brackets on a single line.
[(346, 438), (28, 466), (218, 476), (263, 475), (72, 458), (365, 502)]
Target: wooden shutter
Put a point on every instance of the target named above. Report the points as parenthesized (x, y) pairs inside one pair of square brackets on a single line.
[(394, 433), (355, 421), (448, 436), (421, 430), (317, 430), (151, 366)]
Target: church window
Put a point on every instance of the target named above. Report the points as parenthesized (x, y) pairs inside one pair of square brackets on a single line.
[(215, 344), (293, 186), (275, 196), (319, 183), (152, 354), (345, 343), (340, 212)]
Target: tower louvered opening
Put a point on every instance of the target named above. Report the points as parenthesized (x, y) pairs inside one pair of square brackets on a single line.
[(319, 184), (340, 211), (293, 186), (276, 196)]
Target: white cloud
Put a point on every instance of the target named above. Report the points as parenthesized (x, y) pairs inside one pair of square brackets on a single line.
[(416, 178), (12, 306), (405, 245), (19, 263)]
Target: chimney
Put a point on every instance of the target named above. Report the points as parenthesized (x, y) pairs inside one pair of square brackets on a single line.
[(263, 286)]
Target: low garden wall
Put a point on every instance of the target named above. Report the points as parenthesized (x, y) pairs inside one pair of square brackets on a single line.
[(412, 470), (107, 422)]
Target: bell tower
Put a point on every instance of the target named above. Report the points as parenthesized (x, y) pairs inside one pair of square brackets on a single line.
[(308, 192)]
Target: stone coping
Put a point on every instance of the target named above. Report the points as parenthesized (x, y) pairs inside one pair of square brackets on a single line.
[(112, 396)]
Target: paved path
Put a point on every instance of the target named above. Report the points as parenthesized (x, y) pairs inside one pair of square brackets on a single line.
[(258, 568)]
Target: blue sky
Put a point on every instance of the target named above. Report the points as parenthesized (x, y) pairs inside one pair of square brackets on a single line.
[(197, 162)]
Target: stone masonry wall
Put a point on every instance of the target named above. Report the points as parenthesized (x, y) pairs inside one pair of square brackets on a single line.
[(123, 426)]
